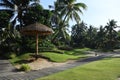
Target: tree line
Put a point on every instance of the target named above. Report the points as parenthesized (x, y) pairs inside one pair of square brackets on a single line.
[(105, 37), (16, 14)]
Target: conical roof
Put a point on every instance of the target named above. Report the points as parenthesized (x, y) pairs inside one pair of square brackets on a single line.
[(36, 28)]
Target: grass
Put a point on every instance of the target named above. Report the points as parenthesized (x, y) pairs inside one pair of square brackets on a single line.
[(59, 57), (52, 56), (107, 69), (77, 51), (20, 59)]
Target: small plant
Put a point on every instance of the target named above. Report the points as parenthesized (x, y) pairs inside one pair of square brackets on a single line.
[(25, 67), (10, 55), (13, 55)]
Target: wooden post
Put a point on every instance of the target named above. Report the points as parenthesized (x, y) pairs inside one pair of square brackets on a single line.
[(36, 46)]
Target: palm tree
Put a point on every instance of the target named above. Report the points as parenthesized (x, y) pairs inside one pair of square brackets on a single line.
[(70, 10), (101, 38), (60, 34), (55, 19), (58, 26), (63, 12), (4, 17), (8, 39), (78, 34), (18, 7), (111, 33), (91, 34)]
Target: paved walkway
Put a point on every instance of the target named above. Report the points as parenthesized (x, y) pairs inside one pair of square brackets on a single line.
[(7, 70)]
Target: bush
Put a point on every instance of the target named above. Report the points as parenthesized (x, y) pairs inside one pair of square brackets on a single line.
[(12, 55), (65, 48), (25, 67), (9, 55), (46, 46)]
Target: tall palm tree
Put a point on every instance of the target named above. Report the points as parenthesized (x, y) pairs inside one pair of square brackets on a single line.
[(101, 38), (55, 19), (18, 7), (111, 33), (57, 24), (64, 11), (61, 34), (110, 28), (78, 34), (4, 17), (91, 34), (71, 10)]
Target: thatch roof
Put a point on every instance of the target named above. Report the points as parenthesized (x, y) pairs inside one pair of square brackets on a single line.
[(36, 28)]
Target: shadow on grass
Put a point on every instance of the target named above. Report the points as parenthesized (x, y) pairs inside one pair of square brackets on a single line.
[(40, 56), (111, 57), (24, 61), (118, 77)]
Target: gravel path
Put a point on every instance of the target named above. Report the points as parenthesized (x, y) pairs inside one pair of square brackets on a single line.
[(7, 70)]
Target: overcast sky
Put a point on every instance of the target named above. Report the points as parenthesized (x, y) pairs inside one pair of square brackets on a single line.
[(99, 12)]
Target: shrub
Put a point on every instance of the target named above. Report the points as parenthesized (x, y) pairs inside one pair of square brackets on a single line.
[(12, 55), (9, 55), (25, 67), (65, 48), (46, 46)]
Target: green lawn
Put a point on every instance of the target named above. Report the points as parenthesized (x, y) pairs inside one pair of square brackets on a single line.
[(77, 51), (107, 69), (20, 59), (52, 56), (60, 57)]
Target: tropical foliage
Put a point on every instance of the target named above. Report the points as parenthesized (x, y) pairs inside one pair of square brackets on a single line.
[(16, 14), (78, 35), (103, 38), (62, 13)]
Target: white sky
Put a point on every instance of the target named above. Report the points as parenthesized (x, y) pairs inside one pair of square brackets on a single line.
[(99, 12)]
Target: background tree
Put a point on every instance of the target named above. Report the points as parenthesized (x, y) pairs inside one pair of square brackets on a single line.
[(17, 7), (91, 34), (78, 35), (36, 13), (101, 38), (7, 35), (4, 17), (111, 34), (4, 21)]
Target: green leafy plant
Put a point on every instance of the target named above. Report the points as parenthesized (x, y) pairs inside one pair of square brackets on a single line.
[(9, 55), (25, 67), (12, 55), (46, 45)]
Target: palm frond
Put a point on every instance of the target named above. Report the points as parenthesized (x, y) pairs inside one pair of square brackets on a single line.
[(81, 5), (7, 4)]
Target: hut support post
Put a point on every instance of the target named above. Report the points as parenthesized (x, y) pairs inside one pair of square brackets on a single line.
[(36, 46)]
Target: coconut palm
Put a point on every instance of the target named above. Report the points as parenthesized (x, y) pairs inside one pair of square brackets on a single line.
[(61, 34), (63, 12), (58, 26), (101, 38), (110, 28), (71, 10), (111, 33), (18, 7), (78, 34), (91, 34)]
